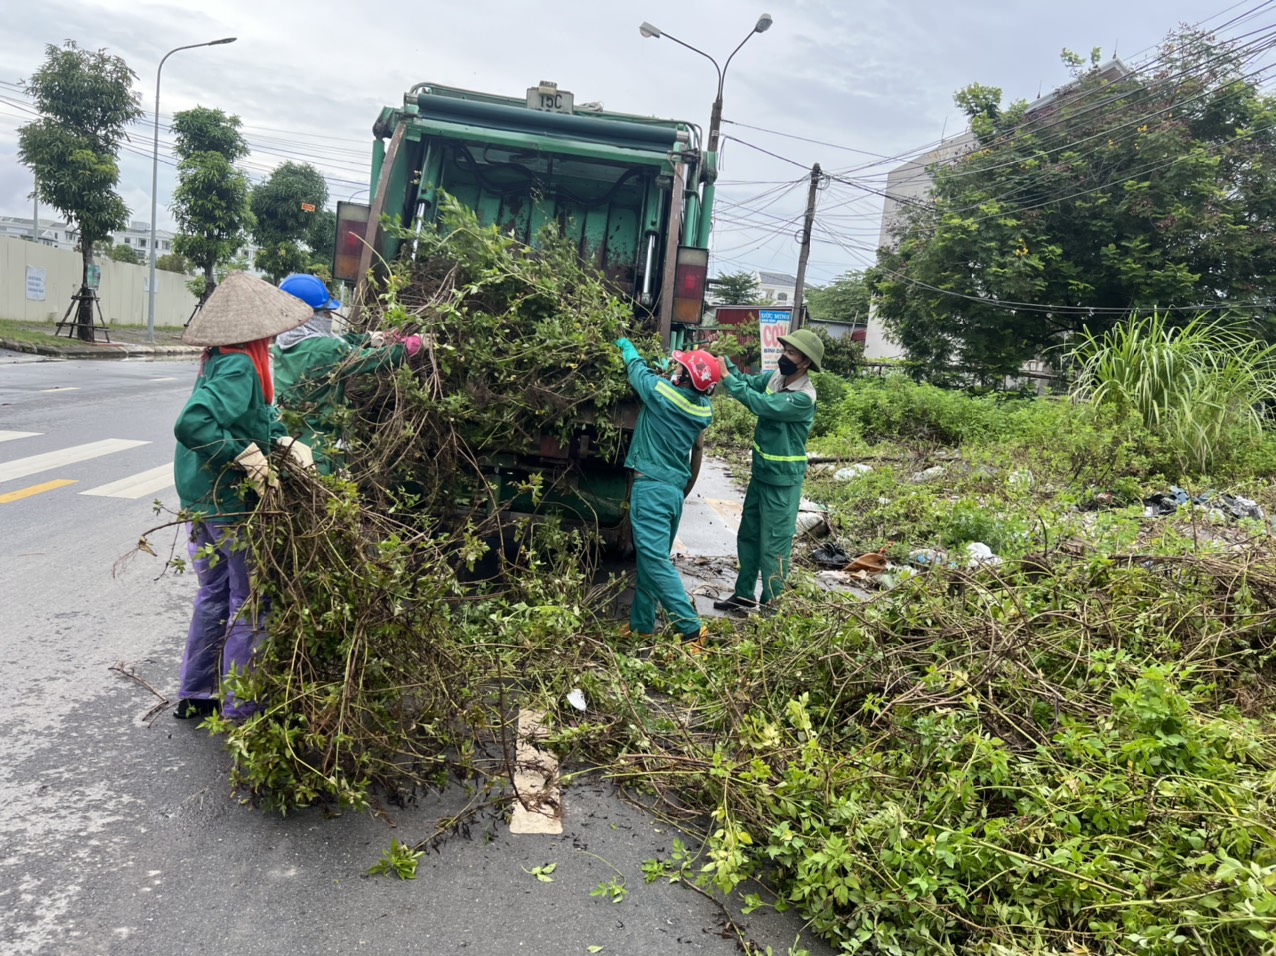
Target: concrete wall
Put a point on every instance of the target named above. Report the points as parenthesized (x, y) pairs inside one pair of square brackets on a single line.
[(122, 293)]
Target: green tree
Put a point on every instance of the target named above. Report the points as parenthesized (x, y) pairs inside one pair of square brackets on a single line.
[(846, 300), (175, 262), (85, 100), (211, 202), (736, 288), (282, 222), (1120, 193), (118, 252), (322, 240), (842, 354)]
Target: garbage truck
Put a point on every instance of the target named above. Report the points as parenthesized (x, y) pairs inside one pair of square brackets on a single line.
[(633, 193)]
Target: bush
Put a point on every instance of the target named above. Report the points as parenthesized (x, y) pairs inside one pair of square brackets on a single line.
[(1201, 388), (896, 408), (830, 390)]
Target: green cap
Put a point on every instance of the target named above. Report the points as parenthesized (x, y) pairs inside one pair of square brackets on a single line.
[(808, 343)]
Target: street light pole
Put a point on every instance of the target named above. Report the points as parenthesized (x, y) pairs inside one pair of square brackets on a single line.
[(709, 165), (150, 297), (715, 116)]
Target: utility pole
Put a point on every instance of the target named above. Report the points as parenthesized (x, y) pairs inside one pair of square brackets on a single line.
[(795, 321), (35, 213)]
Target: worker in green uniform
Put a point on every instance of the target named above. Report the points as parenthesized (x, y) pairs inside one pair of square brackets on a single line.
[(312, 364), (224, 433), (674, 412), (784, 401)]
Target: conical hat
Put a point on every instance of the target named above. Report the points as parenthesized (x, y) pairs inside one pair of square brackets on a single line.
[(244, 308)]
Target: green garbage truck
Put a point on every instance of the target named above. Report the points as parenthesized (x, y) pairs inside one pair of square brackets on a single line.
[(633, 193)]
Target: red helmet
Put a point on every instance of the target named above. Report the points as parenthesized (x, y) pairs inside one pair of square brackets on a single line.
[(702, 367)]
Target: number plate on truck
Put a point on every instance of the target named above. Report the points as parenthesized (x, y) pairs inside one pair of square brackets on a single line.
[(549, 99)]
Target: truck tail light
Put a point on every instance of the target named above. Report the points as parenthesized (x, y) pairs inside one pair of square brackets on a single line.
[(352, 231), (689, 285)]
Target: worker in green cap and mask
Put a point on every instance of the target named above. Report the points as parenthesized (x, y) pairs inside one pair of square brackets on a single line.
[(784, 401)]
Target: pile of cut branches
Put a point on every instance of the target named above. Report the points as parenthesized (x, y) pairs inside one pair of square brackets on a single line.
[(518, 350), (1077, 757)]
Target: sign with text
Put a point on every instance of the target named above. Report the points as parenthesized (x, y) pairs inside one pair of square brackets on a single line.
[(35, 283), (772, 324)]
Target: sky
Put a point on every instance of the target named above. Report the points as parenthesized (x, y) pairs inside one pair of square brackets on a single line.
[(870, 80)]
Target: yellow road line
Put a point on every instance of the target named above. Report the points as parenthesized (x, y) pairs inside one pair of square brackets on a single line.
[(35, 490)]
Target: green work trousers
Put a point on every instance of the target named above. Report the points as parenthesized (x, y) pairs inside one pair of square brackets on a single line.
[(655, 509), (765, 540)]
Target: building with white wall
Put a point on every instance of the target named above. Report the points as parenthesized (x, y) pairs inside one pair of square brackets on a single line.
[(907, 184), (779, 287)]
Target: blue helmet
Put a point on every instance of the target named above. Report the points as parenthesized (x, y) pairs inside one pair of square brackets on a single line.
[(310, 290)]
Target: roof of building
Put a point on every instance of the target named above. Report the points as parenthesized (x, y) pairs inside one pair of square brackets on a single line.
[(776, 278), (1110, 72)]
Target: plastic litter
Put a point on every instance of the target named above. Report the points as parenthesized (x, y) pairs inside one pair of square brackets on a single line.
[(928, 557), (1238, 507), (577, 699), (979, 554), (852, 471), (930, 474), (830, 555)]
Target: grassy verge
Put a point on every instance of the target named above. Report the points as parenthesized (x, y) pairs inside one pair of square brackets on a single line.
[(42, 333)]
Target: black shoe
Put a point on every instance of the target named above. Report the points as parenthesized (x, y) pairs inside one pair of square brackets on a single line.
[(736, 603), (192, 707)]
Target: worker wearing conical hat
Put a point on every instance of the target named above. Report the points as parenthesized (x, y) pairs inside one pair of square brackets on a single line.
[(221, 433), (784, 401)]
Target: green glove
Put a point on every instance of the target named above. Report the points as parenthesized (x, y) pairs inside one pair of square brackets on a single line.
[(627, 351)]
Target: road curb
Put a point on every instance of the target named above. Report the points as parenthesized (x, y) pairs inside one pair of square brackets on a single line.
[(99, 350)]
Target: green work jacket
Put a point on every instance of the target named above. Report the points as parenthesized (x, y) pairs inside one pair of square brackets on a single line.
[(670, 421), (225, 413), (784, 423), (310, 378)]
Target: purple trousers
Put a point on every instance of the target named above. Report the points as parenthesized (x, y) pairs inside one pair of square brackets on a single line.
[(223, 634)]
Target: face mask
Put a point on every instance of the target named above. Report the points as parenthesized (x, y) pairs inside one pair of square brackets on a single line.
[(787, 366)]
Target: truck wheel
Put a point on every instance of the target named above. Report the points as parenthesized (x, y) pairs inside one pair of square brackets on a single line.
[(697, 459)]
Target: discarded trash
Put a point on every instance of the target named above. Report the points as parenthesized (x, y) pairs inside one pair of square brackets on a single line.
[(1022, 478), (811, 524), (852, 471), (873, 563), (979, 554), (812, 520), (928, 557), (577, 699), (930, 474), (830, 555), (1238, 507), (1234, 507)]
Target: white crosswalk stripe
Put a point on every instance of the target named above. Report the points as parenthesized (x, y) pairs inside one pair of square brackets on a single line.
[(22, 467), (10, 436), (136, 486)]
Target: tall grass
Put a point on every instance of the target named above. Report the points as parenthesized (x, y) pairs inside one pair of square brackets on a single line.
[(1200, 387)]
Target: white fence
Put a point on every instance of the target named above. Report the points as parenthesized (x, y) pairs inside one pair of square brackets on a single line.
[(37, 282)]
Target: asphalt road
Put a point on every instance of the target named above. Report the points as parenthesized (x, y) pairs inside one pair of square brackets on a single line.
[(120, 836)]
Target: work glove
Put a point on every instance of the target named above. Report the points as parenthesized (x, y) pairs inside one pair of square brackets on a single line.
[(412, 343), (627, 351), (298, 453), (257, 468), (378, 339)]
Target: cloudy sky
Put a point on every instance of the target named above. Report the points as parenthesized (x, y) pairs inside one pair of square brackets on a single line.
[(868, 79)]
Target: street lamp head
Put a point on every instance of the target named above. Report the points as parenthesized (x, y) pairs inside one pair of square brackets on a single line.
[(764, 23), (647, 30), (223, 40)]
